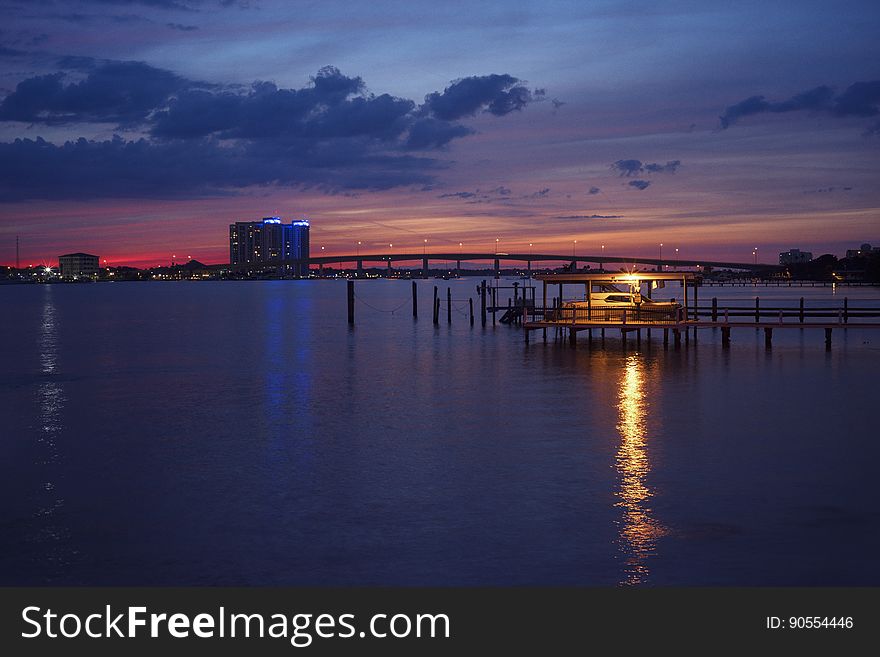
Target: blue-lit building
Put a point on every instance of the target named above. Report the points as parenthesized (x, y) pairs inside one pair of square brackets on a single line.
[(270, 244)]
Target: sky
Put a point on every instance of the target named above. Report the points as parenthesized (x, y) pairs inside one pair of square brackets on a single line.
[(139, 129)]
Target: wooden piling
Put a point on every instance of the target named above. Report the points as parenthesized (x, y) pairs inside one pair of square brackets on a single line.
[(714, 309), (483, 303), (415, 300), (768, 337), (828, 339), (436, 306), (725, 336), (449, 305), (471, 307), (801, 312), (757, 309), (666, 337), (351, 302), (845, 310)]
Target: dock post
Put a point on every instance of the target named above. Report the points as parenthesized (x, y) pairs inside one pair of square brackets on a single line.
[(415, 300), (471, 306), (494, 302), (638, 337), (351, 302), (483, 303), (676, 335), (714, 309), (590, 337), (768, 337), (801, 313), (757, 310), (666, 337), (572, 337), (780, 315), (603, 335), (846, 310), (449, 305), (725, 336), (828, 339), (436, 306)]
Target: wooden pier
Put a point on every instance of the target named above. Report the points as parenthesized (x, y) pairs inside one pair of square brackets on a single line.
[(561, 315), (677, 322)]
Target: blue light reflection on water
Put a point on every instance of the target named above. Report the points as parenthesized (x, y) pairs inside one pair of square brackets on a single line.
[(241, 433)]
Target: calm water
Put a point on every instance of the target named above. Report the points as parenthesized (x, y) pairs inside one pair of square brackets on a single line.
[(240, 433)]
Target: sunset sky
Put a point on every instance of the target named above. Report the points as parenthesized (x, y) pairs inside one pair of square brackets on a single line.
[(137, 129)]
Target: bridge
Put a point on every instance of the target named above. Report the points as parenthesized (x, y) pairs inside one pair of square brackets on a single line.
[(528, 258)]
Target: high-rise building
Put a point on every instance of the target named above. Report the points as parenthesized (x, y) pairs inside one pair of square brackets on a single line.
[(78, 265), (270, 244)]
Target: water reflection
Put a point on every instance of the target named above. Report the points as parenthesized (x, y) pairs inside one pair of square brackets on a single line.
[(51, 400), (639, 530)]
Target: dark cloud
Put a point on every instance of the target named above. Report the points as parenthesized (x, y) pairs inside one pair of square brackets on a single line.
[(827, 190), (859, 99), (119, 92), (670, 167), (76, 63), (330, 134), (82, 169), (541, 193), (590, 216), (11, 52), (182, 28), (639, 184), (500, 193), (433, 133), (629, 168), (497, 94), (593, 190), (465, 195)]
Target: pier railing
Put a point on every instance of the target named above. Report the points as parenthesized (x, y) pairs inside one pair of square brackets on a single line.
[(610, 314), (755, 313)]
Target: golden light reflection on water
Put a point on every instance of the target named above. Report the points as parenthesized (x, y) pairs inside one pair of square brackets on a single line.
[(639, 530)]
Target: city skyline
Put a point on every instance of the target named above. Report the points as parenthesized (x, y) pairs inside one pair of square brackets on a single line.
[(709, 128)]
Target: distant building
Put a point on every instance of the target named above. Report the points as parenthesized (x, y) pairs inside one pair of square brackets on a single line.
[(78, 265), (269, 243), (795, 257), (863, 250)]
